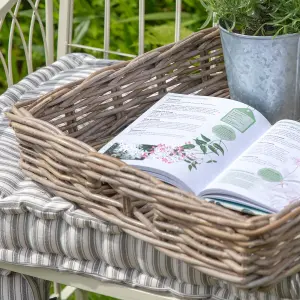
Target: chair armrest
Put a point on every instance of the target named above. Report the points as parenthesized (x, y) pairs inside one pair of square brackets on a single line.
[(5, 6)]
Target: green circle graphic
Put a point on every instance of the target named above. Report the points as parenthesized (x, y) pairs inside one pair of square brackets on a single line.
[(270, 175), (224, 132)]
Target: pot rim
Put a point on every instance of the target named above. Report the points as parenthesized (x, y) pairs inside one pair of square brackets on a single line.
[(259, 37)]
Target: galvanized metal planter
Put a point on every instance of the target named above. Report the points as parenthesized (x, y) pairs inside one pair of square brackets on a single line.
[(264, 72)]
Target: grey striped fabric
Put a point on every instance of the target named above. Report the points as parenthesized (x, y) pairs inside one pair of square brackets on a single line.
[(39, 229), (35, 79), (88, 66), (15, 286)]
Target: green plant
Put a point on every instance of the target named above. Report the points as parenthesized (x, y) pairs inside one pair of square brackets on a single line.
[(91, 296), (89, 29), (256, 17), (159, 23)]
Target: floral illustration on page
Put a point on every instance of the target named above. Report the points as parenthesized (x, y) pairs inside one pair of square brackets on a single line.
[(201, 149)]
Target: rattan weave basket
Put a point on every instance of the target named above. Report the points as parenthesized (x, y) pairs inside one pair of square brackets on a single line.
[(60, 133)]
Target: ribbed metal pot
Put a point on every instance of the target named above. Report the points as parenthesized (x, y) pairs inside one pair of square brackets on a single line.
[(264, 72)]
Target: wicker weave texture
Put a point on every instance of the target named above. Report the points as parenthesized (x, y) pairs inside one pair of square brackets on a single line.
[(59, 136)]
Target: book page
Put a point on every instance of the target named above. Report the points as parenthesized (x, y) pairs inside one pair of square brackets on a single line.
[(192, 138), (268, 173)]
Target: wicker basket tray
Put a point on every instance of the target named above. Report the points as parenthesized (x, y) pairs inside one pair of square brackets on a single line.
[(59, 136)]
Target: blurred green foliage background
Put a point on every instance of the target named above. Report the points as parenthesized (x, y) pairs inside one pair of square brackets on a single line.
[(88, 28)]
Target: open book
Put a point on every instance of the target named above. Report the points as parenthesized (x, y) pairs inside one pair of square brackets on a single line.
[(219, 149)]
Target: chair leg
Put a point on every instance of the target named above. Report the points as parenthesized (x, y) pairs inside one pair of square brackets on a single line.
[(81, 295), (57, 292)]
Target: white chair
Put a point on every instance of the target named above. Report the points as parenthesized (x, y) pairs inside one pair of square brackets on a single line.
[(10, 10)]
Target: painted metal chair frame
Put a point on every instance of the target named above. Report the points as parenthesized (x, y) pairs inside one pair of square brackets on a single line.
[(76, 284)]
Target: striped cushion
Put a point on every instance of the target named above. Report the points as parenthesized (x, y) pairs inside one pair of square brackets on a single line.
[(15, 286), (40, 229), (33, 80), (91, 61), (88, 66)]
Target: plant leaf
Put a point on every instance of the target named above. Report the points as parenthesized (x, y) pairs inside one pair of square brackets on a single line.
[(217, 146), (163, 34), (88, 17), (199, 142), (190, 167), (211, 161), (28, 13), (213, 149), (81, 30), (208, 20), (203, 148), (188, 146), (196, 20), (205, 138), (188, 161)]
